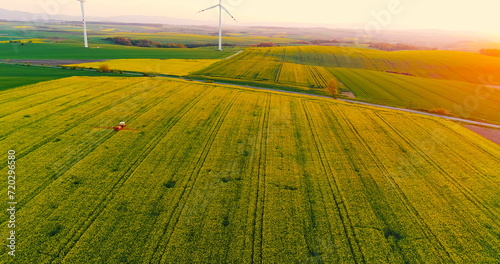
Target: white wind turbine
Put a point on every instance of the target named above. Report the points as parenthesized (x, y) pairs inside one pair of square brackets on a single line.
[(220, 19), (84, 24)]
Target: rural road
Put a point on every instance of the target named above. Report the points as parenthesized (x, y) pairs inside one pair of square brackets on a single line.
[(226, 58)]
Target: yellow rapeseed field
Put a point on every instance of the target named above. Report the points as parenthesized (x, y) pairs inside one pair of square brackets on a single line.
[(177, 67), (23, 27), (221, 174)]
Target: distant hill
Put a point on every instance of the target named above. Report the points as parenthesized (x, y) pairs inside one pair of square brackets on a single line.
[(10, 15)]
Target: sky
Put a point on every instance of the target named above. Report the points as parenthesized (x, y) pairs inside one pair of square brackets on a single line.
[(368, 15)]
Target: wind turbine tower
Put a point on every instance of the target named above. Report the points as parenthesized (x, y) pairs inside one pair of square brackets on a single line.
[(220, 20), (84, 24)]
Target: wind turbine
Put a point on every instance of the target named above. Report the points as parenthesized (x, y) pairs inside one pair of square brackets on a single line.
[(220, 20), (84, 24)]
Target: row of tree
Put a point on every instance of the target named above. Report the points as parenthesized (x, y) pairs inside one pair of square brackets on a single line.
[(263, 44), (143, 43), (19, 41), (402, 73), (397, 46)]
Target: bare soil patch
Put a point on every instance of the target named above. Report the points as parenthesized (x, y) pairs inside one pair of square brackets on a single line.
[(489, 133), (349, 94)]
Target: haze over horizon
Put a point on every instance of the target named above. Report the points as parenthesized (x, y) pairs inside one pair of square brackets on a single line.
[(371, 16)]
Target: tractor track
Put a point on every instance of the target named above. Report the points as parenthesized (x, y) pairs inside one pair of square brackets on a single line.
[(342, 210), (260, 196), (185, 110), (405, 201), (426, 230), (310, 190), (466, 192), (192, 178)]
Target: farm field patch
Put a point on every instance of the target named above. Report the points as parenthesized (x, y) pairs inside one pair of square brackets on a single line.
[(224, 174), (73, 51), (458, 98)]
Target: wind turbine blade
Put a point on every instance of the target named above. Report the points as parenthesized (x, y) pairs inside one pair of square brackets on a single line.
[(228, 13), (208, 8)]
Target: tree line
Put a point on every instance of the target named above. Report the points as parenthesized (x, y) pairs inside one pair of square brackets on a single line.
[(143, 43)]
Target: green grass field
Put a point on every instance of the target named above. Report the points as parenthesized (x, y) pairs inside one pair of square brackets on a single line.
[(422, 93), (66, 51), (12, 76), (218, 174)]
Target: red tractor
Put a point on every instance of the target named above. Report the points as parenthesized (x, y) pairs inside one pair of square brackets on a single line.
[(121, 126)]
